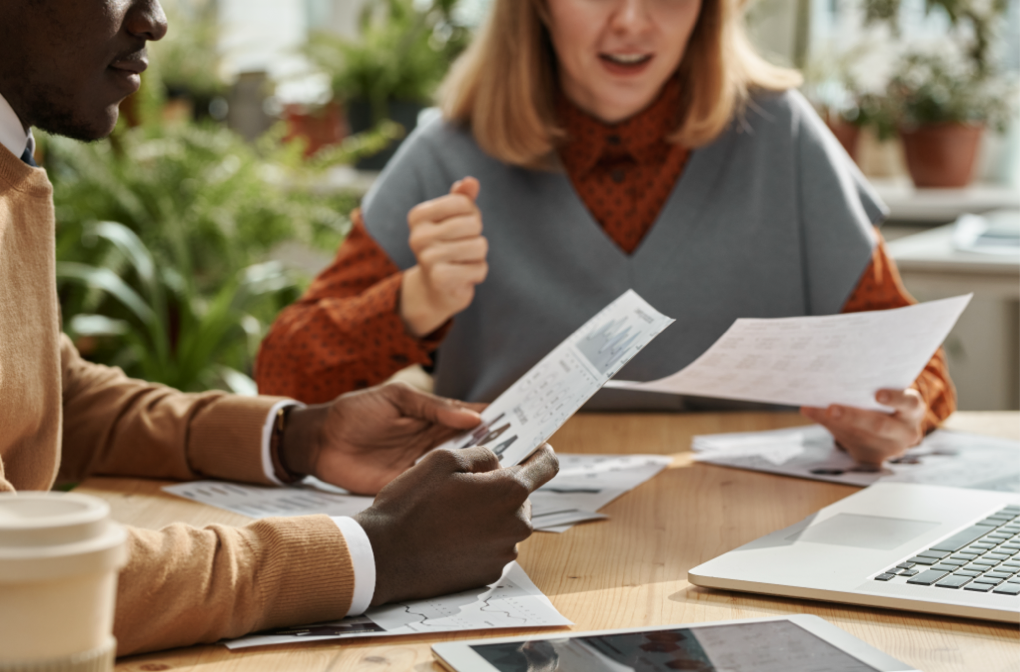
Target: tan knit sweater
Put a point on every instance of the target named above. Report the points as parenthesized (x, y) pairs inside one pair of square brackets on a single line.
[(62, 417)]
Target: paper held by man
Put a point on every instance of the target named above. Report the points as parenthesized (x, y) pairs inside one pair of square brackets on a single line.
[(539, 402), (816, 361)]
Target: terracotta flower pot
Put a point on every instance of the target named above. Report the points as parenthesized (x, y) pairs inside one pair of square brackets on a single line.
[(941, 155), (846, 133), (319, 128)]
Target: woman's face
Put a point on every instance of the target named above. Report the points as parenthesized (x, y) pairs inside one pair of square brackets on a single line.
[(615, 55)]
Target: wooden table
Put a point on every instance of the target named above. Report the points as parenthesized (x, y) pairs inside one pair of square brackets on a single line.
[(632, 569)]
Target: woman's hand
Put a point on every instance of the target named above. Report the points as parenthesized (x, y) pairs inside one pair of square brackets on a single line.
[(446, 237), (872, 437)]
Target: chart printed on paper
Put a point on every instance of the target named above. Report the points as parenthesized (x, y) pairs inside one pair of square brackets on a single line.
[(511, 602), (535, 406)]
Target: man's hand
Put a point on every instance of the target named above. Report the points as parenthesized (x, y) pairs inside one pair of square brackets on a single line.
[(446, 237), (363, 440), (871, 437), (452, 522)]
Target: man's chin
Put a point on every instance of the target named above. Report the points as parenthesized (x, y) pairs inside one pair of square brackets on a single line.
[(87, 128)]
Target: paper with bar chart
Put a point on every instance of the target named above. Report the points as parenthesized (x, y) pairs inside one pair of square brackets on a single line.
[(535, 406)]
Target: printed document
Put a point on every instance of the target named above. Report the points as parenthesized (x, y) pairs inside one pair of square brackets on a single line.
[(511, 602), (816, 361), (955, 459), (535, 406), (584, 484)]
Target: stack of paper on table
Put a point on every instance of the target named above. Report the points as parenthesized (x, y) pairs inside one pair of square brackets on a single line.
[(511, 602), (584, 484), (944, 458), (816, 361)]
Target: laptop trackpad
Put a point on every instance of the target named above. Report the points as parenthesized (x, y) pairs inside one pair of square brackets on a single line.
[(851, 529)]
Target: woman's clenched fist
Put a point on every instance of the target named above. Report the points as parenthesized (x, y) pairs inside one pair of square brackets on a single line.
[(446, 238)]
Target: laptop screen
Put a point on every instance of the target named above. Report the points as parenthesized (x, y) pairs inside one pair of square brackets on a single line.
[(772, 646)]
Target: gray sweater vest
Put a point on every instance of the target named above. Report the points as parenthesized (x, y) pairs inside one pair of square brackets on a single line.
[(770, 220)]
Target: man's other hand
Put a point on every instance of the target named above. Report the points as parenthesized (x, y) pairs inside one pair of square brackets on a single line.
[(363, 440), (452, 522)]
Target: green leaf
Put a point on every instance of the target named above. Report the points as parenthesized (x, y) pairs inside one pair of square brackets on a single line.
[(97, 325), (237, 382), (108, 281)]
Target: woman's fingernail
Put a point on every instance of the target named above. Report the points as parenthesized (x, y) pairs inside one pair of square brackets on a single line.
[(883, 397), (835, 411)]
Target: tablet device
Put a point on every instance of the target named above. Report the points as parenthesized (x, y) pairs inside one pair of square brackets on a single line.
[(800, 643)]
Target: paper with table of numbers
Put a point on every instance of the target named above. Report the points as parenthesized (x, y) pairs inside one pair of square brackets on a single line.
[(512, 602), (533, 408), (816, 361)]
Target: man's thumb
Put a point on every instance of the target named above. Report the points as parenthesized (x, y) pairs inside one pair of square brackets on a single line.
[(468, 186)]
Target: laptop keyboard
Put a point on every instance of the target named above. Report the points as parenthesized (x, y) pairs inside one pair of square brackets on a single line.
[(984, 557)]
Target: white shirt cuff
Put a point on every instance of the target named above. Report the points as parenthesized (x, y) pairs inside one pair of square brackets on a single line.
[(267, 438), (364, 563)]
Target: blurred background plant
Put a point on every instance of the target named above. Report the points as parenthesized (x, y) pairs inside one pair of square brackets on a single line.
[(392, 69), (936, 90), (161, 327), (188, 62), (403, 52), (843, 100), (975, 22), (931, 87)]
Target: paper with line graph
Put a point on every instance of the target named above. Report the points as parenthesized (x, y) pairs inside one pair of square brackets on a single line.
[(511, 602), (535, 406)]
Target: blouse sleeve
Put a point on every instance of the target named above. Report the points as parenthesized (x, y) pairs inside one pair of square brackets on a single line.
[(881, 288), (345, 333)]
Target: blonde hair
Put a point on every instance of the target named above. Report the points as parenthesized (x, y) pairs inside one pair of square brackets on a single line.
[(504, 85)]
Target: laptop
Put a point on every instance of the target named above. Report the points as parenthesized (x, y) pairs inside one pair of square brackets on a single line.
[(924, 548)]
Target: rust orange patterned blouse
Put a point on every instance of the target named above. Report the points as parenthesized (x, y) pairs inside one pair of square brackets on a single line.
[(345, 333)]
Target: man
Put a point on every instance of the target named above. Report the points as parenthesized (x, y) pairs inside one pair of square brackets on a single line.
[(449, 523)]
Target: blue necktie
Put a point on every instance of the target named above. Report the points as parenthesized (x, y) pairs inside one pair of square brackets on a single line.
[(27, 158)]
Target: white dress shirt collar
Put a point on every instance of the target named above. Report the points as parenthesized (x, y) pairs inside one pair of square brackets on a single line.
[(12, 133)]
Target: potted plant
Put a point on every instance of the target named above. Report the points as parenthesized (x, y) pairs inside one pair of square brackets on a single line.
[(940, 102), (941, 108), (392, 70), (318, 126), (846, 105)]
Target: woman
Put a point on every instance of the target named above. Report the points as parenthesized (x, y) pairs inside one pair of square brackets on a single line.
[(608, 144)]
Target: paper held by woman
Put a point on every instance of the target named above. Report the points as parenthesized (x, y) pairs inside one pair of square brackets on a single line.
[(816, 361)]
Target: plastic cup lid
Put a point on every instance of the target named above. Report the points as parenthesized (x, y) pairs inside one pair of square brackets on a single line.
[(49, 533)]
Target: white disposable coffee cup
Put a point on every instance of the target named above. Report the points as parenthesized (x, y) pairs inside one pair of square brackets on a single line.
[(59, 557)]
